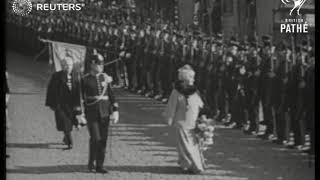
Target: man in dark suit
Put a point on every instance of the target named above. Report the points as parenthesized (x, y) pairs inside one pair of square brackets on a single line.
[(100, 107), (63, 97)]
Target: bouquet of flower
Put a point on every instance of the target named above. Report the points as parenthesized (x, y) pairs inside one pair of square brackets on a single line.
[(204, 132)]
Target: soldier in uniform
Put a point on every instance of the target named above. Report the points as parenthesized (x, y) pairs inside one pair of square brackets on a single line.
[(310, 99), (211, 79), (185, 51), (220, 98), (113, 47), (241, 102), (149, 60), (166, 67), (140, 62), (100, 108), (252, 86), (158, 51), (177, 55), (230, 84), (268, 88), (205, 56), (299, 107), (282, 106), (131, 63)]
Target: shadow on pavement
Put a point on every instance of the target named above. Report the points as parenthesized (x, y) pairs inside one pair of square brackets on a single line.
[(233, 152), (48, 169), (26, 93), (127, 169), (36, 145)]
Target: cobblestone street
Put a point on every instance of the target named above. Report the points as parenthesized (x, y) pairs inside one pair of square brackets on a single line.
[(140, 147)]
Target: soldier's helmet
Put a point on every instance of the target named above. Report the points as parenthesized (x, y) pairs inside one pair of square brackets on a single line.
[(266, 40), (244, 46), (96, 58), (305, 47), (218, 39), (233, 42), (283, 46)]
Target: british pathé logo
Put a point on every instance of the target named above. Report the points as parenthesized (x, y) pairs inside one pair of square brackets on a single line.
[(296, 24), (22, 7), (297, 5)]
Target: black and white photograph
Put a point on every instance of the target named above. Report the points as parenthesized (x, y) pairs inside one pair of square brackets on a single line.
[(159, 90)]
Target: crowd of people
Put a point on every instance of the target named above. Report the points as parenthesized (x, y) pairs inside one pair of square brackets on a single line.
[(236, 79)]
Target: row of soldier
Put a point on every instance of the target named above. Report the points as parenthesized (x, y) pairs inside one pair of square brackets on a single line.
[(235, 79)]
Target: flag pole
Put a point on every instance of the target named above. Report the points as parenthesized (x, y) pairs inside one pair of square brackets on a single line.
[(51, 41), (40, 53)]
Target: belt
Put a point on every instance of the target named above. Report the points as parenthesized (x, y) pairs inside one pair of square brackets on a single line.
[(98, 98)]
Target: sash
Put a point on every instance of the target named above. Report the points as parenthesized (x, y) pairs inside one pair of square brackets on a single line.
[(101, 96)]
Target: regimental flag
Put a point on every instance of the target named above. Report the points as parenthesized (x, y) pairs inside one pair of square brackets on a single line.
[(76, 52)]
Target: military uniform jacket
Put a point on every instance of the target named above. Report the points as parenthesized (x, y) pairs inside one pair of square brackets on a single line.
[(92, 86)]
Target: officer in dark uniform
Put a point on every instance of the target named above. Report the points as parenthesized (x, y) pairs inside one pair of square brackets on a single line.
[(140, 62), (166, 67), (300, 105), (282, 106), (252, 86), (230, 83), (177, 55), (131, 63), (100, 108), (113, 44), (310, 98), (241, 101), (268, 88), (220, 98), (203, 61), (149, 60), (158, 52), (211, 79)]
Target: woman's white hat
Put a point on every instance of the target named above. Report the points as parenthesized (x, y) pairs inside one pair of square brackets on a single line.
[(186, 73)]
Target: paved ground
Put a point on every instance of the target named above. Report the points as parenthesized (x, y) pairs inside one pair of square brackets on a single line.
[(142, 147)]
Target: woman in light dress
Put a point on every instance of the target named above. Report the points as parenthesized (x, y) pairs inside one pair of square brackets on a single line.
[(182, 111)]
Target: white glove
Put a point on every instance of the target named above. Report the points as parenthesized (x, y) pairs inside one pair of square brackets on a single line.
[(122, 53), (128, 55), (170, 120), (108, 79), (114, 117), (7, 98), (81, 119)]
